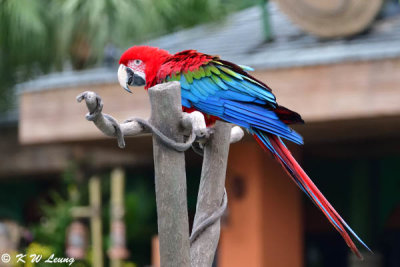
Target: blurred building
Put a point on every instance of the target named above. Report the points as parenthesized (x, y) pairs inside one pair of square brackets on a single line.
[(348, 92)]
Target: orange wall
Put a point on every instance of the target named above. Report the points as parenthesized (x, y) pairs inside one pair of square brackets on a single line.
[(283, 223), (264, 226), (242, 239)]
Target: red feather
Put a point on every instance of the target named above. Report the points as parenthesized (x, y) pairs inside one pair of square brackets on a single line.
[(294, 170), (159, 64), (153, 57), (187, 60), (288, 116)]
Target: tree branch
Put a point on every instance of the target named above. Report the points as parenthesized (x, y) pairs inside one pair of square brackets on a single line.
[(168, 125), (193, 123), (170, 176), (211, 200), (106, 123)]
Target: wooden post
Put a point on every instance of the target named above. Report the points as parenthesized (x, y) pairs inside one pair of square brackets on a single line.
[(118, 250), (167, 124), (170, 177), (95, 220), (211, 192), (155, 252)]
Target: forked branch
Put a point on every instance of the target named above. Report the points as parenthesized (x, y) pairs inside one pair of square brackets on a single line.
[(168, 135)]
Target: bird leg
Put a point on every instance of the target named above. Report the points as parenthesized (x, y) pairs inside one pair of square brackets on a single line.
[(195, 121), (236, 134)]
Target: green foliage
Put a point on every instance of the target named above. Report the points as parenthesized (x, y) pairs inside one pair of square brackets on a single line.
[(38, 249), (39, 36), (22, 43), (56, 219), (140, 216)]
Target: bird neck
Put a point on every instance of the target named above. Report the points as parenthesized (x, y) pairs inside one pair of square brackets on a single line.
[(153, 67)]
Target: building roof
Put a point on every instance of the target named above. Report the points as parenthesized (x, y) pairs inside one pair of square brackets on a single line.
[(70, 79), (239, 38)]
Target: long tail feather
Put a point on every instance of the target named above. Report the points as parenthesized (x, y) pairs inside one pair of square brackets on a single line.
[(274, 144)]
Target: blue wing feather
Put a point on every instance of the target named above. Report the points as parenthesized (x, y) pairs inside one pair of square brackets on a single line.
[(184, 82), (187, 95), (237, 99), (197, 86), (186, 103)]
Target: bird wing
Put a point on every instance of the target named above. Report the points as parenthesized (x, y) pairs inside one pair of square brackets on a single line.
[(225, 90)]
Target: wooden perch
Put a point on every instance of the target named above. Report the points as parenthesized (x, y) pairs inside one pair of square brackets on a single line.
[(170, 177), (107, 124), (193, 122), (211, 196), (169, 126)]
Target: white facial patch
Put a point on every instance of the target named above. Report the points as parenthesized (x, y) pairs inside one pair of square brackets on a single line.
[(135, 66)]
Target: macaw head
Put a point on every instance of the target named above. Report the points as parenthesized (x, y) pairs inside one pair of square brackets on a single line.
[(139, 66)]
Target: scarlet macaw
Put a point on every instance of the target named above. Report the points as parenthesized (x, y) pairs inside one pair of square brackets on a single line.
[(225, 91)]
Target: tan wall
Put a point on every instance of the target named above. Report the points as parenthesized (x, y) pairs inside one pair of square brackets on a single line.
[(338, 91), (55, 115), (319, 93)]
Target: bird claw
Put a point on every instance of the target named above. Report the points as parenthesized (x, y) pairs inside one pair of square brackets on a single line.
[(198, 148), (129, 120), (94, 104), (196, 123), (203, 133)]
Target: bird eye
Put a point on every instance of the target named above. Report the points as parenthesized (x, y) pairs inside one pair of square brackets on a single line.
[(137, 62)]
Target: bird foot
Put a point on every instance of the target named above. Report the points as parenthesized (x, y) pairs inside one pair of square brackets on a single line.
[(203, 133), (94, 104)]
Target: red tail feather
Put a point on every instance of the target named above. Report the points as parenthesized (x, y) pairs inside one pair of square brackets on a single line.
[(298, 175)]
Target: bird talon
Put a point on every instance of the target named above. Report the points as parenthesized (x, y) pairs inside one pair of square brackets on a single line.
[(80, 97), (90, 116), (128, 120), (203, 133), (93, 102)]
